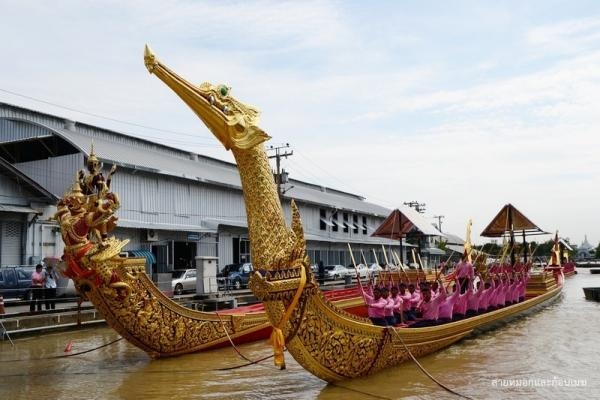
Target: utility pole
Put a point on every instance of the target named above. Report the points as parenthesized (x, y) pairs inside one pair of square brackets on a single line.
[(439, 218), (281, 176), (420, 207)]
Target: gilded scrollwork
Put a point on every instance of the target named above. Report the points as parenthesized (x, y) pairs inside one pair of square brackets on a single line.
[(119, 287)]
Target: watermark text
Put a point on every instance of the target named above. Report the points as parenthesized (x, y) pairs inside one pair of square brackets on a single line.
[(539, 382)]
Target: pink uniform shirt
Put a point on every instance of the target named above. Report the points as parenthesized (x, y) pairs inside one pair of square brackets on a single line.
[(430, 309), (446, 307)]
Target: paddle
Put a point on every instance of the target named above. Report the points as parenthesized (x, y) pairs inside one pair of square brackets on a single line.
[(357, 274)]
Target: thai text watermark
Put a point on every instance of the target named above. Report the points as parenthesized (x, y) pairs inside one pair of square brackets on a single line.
[(539, 382)]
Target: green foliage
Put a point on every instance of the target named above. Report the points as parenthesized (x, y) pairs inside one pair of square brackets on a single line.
[(598, 251)]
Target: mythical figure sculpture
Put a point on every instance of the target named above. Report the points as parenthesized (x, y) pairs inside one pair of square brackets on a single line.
[(120, 288)]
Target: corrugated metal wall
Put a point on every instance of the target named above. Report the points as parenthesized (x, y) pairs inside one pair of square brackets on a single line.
[(152, 199), (225, 250), (12, 193), (55, 174)]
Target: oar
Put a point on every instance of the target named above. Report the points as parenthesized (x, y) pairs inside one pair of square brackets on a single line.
[(444, 264), (376, 260), (369, 275), (387, 263), (415, 261), (357, 274), (397, 257)]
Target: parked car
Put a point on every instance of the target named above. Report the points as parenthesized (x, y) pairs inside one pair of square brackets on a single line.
[(184, 280), (375, 269), (224, 273), (15, 281), (335, 271), (238, 278), (362, 269)]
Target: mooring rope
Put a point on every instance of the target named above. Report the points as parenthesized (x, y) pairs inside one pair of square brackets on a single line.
[(66, 355), (250, 362), (231, 341), (440, 384)]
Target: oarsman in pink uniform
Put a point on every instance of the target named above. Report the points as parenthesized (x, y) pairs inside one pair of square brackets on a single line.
[(465, 273), (459, 310), (415, 297), (429, 308), (475, 298), (497, 285), (406, 297), (499, 291), (376, 306), (397, 309), (512, 296), (523, 285), (435, 288), (488, 293), (388, 310), (502, 290), (447, 306)]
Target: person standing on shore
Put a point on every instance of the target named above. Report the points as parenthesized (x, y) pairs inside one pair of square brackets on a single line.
[(37, 288), (50, 287)]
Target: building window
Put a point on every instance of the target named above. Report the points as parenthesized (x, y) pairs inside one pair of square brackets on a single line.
[(335, 223), (364, 222), (345, 222), (355, 223), (323, 218)]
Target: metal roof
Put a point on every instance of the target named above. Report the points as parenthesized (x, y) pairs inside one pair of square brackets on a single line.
[(127, 223), (403, 221), (127, 151), (19, 209), (455, 248), (334, 199), (24, 181)]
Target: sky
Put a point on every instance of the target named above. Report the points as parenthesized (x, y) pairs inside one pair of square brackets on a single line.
[(462, 105)]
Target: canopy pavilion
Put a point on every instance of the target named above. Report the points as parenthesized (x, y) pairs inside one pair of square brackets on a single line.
[(404, 222), (510, 221)]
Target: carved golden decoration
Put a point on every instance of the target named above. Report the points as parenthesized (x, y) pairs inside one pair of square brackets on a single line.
[(119, 287), (325, 340)]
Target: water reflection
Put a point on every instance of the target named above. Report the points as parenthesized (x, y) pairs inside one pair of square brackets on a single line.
[(554, 345)]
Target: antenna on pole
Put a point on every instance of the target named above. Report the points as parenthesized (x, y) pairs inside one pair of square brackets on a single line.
[(420, 207), (439, 218)]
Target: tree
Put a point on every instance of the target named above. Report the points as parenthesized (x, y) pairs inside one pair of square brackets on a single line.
[(598, 251)]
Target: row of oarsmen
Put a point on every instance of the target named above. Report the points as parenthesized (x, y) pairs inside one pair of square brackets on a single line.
[(431, 303)]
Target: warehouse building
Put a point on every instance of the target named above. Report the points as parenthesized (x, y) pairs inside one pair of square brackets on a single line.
[(175, 205)]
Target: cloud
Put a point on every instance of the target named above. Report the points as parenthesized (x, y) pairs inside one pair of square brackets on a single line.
[(566, 37)]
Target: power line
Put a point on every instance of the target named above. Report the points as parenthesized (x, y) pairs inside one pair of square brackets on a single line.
[(105, 117)]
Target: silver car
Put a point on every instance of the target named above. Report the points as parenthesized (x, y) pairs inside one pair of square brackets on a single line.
[(184, 280), (335, 271)]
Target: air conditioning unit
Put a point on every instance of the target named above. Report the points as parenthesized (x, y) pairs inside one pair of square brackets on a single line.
[(151, 235)]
